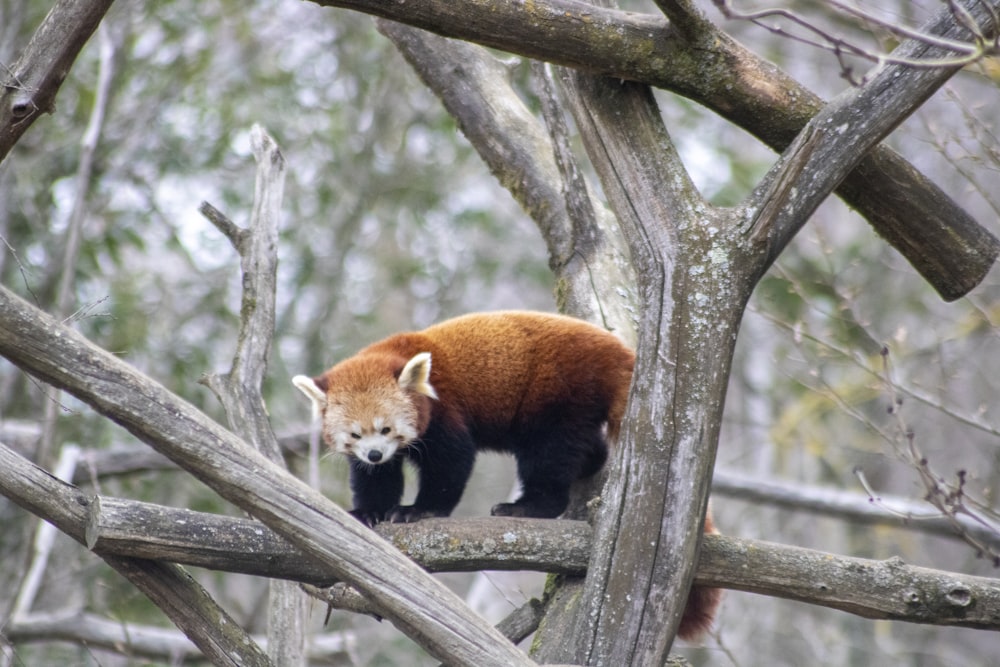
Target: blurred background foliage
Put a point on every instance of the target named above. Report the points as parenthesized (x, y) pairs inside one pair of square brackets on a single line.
[(393, 222)]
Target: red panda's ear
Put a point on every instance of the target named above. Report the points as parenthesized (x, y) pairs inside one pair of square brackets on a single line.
[(416, 375), (311, 388)]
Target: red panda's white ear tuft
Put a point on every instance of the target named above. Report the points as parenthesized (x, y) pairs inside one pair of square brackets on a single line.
[(308, 387), (416, 375)]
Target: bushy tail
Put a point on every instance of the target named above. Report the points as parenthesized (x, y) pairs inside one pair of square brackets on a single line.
[(702, 602), (700, 611)]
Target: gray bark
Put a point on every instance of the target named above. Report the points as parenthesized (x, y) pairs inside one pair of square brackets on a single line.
[(239, 390), (30, 85), (869, 588), (586, 252), (161, 644), (699, 266), (186, 603)]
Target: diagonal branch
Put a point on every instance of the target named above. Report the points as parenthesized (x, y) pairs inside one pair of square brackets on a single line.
[(419, 605), (475, 88), (30, 85), (839, 136), (931, 230), (183, 600)]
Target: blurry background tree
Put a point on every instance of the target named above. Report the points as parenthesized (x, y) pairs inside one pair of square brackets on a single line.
[(393, 222)]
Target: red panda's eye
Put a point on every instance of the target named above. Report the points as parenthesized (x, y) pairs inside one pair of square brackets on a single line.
[(356, 436), (386, 430)]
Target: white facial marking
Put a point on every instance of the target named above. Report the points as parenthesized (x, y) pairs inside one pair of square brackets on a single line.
[(374, 441)]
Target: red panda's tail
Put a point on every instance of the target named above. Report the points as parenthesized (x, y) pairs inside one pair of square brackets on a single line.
[(702, 602), (700, 611)]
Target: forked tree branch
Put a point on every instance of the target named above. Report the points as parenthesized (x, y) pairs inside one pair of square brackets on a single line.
[(933, 232), (240, 390), (839, 136), (949, 249)]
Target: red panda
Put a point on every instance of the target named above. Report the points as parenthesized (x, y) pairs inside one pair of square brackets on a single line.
[(543, 387)]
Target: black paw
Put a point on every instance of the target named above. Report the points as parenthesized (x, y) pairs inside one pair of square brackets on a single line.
[(410, 513), (507, 509), (369, 518), (528, 510)]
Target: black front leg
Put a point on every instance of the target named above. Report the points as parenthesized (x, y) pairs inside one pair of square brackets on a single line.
[(445, 465), (376, 488)]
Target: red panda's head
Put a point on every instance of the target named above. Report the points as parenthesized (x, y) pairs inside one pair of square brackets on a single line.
[(371, 405)]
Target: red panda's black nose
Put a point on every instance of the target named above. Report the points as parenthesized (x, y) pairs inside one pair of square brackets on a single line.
[(374, 456)]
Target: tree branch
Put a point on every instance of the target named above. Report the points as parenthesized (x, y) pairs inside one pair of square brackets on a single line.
[(158, 643), (144, 530), (475, 89), (887, 589), (885, 510), (120, 530), (30, 85), (129, 528), (240, 389), (420, 606), (932, 231), (840, 135), (949, 249), (186, 603), (895, 511)]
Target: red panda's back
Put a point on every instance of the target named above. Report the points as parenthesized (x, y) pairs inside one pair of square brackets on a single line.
[(508, 367)]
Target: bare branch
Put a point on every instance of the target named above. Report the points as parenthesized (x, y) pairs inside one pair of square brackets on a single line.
[(158, 643), (895, 92), (240, 390), (950, 498), (217, 542), (979, 46), (872, 508), (185, 602), (229, 229), (83, 186), (30, 85), (858, 508), (559, 546), (887, 589), (475, 88)]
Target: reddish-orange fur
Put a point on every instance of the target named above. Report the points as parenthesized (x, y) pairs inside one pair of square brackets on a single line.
[(498, 377), (503, 364)]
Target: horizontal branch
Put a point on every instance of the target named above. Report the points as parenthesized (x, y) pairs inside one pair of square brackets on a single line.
[(886, 510), (165, 644), (144, 530), (131, 459), (202, 540), (853, 506), (887, 589), (873, 589)]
